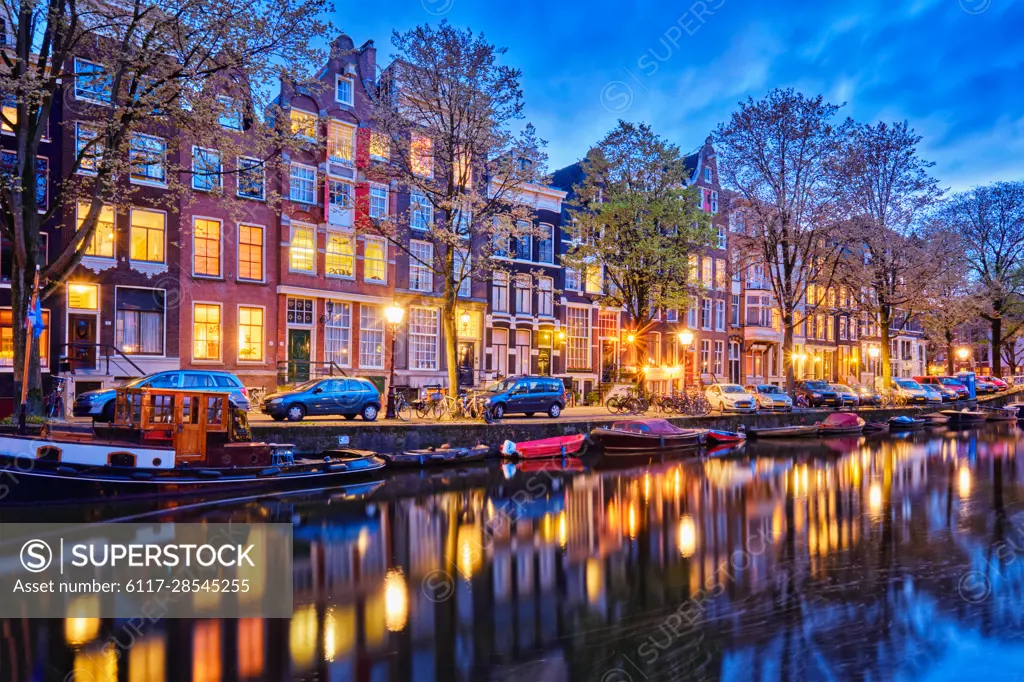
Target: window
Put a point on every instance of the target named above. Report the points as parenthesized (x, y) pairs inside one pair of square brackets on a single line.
[(524, 294), (522, 351), (463, 171), (421, 212), (343, 90), (302, 184), (250, 178), (375, 260), (572, 279), (206, 169), (7, 339), (421, 260), (206, 331), (147, 236), (691, 316), (577, 341), (720, 315), (300, 311), (302, 248), (140, 321), (303, 124), (338, 333), (545, 301), (734, 311), (340, 258), (146, 155), (230, 112), (341, 142), (91, 83), (250, 253), (671, 315), (423, 333), (88, 147), (705, 355), (718, 358), (421, 155), (722, 243), (595, 283), (499, 292), (721, 277), (714, 201), (499, 351), (706, 272), (707, 175), (371, 337), (42, 183), (340, 203), (380, 146), (705, 314), (250, 334), (461, 266), (101, 244), (524, 250), (546, 244), (462, 220), (10, 109), (378, 201), (206, 247), (82, 296)]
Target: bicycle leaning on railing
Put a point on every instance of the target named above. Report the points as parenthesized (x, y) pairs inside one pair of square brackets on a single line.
[(55, 399), (257, 396)]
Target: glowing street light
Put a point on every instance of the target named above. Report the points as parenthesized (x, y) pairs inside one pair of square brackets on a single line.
[(393, 314), (962, 353)]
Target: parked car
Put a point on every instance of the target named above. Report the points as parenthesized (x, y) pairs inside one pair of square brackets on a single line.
[(346, 396), (867, 395), (526, 395), (770, 397), (817, 393), (934, 395), (1000, 384), (730, 398), (948, 392), (847, 396), (956, 385), (983, 386), (99, 404), (911, 391)]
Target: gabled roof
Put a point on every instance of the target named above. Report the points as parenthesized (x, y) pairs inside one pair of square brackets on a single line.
[(567, 178)]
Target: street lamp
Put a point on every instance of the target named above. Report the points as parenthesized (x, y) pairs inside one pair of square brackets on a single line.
[(685, 339), (393, 314), (962, 353)]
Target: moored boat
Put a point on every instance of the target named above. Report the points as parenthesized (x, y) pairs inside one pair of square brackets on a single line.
[(904, 423), (964, 417), (638, 437), (840, 423), (559, 446), (783, 431), (1001, 414), (935, 419), (431, 456), (715, 437), (876, 427)]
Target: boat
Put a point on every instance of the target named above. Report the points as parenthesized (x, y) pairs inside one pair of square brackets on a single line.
[(876, 427), (840, 423), (904, 423), (964, 417), (164, 442), (715, 437), (783, 431), (935, 419), (559, 446), (1016, 407), (1001, 414), (442, 455), (646, 435)]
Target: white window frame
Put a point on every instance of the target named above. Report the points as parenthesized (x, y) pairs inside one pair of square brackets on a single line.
[(328, 326), (163, 345), (462, 256), (523, 286), (131, 228), (218, 177), (263, 332), (327, 245), (545, 297), (422, 209), (291, 121), (291, 183), (384, 250), (291, 238), (229, 106), (97, 148), (219, 360), (351, 89), (416, 337), (335, 124), (370, 199), (499, 284), (364, 336), (263, 178), (421, 277), (551, 239)]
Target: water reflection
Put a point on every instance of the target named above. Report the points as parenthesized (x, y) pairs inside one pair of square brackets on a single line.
[(853, 558)]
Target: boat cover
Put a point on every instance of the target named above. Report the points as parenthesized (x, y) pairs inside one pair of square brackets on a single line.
[(648, 426), (841, 420)]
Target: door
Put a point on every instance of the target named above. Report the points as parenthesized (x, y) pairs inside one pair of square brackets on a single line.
[(519, 398), (608, 363), (298, 355), (82, 329), (189, 438), (466, 352)]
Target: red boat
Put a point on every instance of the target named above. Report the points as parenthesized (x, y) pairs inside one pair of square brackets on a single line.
[(632, 437), (559, 446), (714, 437)]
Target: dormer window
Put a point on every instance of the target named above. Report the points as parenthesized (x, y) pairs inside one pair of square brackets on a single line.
[(343, 90), (707, 175)]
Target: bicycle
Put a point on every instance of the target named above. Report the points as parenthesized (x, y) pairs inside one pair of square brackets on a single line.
[(55, 399), (257, 396), (427, 406), (403, 410), (694, 403)]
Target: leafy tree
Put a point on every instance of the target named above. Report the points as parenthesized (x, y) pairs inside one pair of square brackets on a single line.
[(174, 68), (948, 303), (637, 222), (782, 155), (448, 110)]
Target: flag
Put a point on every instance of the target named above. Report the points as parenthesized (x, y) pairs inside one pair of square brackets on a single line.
[(35, 319)]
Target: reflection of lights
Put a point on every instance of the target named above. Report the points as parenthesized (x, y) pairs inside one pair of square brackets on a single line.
[(98, 665), (964, 481), (594, 579), (396, 600), (330, 636), (147, 660), (302, 636), (677, 484), (647, 487), (250, 649), (79, 630), (470, 553), (875, 497), (687, 535), (363, 541), (563, 532), (632, 521), (206, 650)]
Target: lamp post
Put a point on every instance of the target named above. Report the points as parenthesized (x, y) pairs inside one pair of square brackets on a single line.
[(393, 314), (963, 353), (685, 338)]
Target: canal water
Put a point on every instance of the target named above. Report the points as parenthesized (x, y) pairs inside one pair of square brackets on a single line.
[(861, 558)]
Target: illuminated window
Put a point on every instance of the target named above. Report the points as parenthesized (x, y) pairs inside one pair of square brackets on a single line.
[(421, 155), (7, 339), (374, 260), (250, 252), (101, 244), (595, 282), (250, 334), (82, 296), (206, 331), (206, 247), (10, 109), (147, 236), (140, 321), (303, 124), (380, 146), (147, 155), (371, 336), (463, 172), (341, 142), (341, 255), (302, 249)]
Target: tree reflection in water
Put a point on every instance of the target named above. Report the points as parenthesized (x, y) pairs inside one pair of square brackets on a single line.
[(856, 558)]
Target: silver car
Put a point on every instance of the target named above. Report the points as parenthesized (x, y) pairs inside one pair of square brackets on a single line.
[(770, 397)]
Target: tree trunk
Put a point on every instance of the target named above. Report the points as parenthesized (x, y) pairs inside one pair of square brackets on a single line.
[(451, 336), (787, 352), (950, 369), (21, 294), (884, 321), (997, 342)]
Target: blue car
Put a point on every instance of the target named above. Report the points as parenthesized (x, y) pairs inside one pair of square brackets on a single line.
[(99, 404), (349, 397)]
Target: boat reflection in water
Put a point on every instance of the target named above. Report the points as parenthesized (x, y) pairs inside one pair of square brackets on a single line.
[(875, 557)]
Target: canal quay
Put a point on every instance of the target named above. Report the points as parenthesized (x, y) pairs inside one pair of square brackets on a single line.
[(889, 557)]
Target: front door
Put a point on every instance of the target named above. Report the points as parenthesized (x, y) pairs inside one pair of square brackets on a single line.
[(608, 363), (298, 355), (189, 437), (82, 329), (466, 363)]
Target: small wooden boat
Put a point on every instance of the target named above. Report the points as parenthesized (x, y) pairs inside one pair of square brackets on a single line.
[(1001, 415), (1018, 408), (876, 427), (783, 431), (935, 419), (715, 437), (559, 446), (642, 436), (903, 423), (431, 456), (965, 417), (840, 424)]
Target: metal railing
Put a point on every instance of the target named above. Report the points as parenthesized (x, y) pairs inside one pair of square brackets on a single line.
[(73, 352), (297, 371)]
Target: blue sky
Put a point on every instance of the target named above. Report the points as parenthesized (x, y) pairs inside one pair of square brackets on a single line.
[(953, 68)]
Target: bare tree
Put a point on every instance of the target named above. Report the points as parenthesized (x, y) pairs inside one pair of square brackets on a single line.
[(176, 68), (636, 221), (990, 221), (448, 110), (889, 262), (947, 301), (781, 154)]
